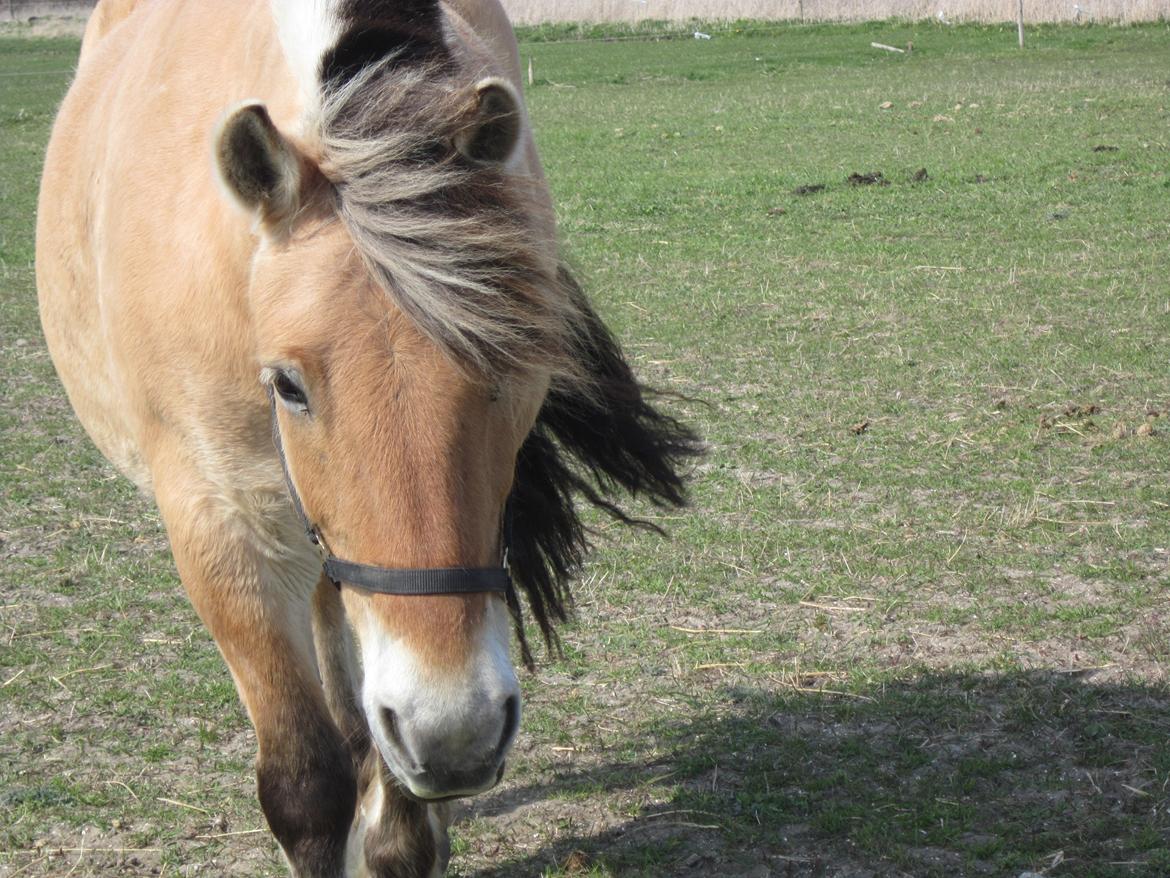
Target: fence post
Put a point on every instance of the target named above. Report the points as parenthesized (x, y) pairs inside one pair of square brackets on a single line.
[(1020, 21)]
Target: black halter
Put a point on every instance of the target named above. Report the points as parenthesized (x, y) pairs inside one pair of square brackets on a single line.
[(397, 580)]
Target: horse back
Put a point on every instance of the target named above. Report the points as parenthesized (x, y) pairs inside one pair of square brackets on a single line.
[(107, 15)]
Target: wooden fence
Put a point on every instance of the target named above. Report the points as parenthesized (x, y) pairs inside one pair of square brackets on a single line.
[(26, 10), (537, 11)]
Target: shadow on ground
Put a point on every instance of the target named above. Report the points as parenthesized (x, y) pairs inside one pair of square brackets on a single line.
[(947, 774)]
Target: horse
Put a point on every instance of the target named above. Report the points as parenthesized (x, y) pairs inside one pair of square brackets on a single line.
[(298, 272)]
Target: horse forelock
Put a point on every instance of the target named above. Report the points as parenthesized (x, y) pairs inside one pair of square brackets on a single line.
[(467, 253), (465, 249)]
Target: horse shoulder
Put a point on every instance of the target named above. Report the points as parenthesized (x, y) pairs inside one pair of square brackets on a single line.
[(142, 266)]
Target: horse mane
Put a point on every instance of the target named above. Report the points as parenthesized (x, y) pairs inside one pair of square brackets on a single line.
[(456, 246), (593, 441)]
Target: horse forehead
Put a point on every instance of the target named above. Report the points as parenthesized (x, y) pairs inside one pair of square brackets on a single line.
[(316, 276)]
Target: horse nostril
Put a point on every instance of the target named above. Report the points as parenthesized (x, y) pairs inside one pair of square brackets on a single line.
[(390, 725), (511, 721)]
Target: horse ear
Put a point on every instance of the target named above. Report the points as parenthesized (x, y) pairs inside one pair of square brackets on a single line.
[(494, 131), (258, 165)]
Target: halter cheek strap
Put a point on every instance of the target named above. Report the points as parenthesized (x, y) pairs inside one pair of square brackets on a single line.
[(399, 580)]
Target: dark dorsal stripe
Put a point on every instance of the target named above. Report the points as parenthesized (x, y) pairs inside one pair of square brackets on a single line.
[(372, 29)]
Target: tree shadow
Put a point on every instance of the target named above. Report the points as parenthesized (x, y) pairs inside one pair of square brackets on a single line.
[(946, 774)]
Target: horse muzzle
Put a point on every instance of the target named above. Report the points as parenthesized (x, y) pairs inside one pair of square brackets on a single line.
[(443, 731), (436, 754)]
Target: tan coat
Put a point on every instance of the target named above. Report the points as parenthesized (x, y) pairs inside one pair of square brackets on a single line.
[(163, 301)]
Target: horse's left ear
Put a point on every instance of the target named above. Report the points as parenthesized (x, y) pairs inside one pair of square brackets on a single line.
[(258, 165), (494, 129)]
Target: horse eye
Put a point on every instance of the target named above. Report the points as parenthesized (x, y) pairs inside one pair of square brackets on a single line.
[(289, 391)]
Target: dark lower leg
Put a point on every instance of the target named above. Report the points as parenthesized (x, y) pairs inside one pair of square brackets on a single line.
[(308, 789), (402, 843), (305, 772)]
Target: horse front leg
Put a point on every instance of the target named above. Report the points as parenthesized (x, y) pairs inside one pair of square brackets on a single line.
[(394, 835), (258, 609), (400, 836)]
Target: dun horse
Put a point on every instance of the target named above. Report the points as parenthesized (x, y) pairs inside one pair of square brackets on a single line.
[(299, 275)]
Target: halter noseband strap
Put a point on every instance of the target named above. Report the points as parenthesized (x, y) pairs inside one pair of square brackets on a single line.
[(397, 580), (434, 580)]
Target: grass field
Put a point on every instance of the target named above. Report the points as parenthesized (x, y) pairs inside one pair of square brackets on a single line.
[(917, 621)]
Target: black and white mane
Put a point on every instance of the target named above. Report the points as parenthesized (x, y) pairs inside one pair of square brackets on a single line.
[(453, 242)]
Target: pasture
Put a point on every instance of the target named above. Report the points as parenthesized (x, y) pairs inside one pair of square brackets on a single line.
[(917, 621)]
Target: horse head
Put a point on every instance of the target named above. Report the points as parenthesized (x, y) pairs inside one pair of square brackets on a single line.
[(400, 435)]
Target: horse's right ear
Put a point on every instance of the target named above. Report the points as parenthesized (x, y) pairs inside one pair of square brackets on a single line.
[(258, 165), (494, 130)]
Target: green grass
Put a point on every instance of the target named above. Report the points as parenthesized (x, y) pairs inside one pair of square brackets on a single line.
[(932, 532)]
